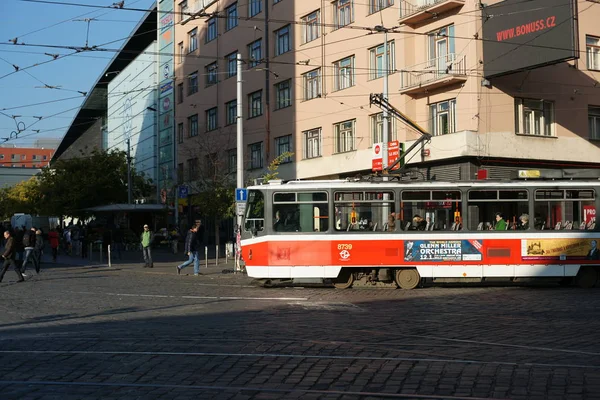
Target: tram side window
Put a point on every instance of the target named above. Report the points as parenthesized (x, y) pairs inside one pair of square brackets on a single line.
[(255, 211), (300, 212), (432, 210), (365, 212), (569, 209), (484, 204)]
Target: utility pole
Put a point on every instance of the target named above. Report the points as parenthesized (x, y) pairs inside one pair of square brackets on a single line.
[(128, 171), (240, 133), (267, 87), (386, 117)]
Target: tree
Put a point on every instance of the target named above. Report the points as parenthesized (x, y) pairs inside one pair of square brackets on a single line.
[(70, 186), (272, 169), (24, 197)]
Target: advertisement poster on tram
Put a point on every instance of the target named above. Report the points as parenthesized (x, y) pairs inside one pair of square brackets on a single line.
[(442, 250), (560, 249)]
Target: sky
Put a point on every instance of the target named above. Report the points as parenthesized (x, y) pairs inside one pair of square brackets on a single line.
[(51, 25)]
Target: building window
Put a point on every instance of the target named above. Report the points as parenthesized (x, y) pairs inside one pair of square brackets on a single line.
[(593, 52), (180, 174), (45, 158), (311, 27), (443, 117), (312, 143), (14, 156), (211, 73), (282, 40), (312, 84), (534, 117), (231, 112), (232, 160), (193, 83), (283, 94), (283, 144), (34, 157), (231, 64), (181, 53), (376, 67), (256, 158), (193, 125), (254, 7), (232, 17), (377, 128), (211, 29), (344, 136), (593, 120), (183, 9), (342, 13), (211, 119), (254, 53), (193, 169), (343, 73), (440, 49), (180, 132), (1, 156), (376, 5), (193, 39), (255, 104), (180, 93)]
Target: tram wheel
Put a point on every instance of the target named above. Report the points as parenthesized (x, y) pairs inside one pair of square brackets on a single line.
[(587, 277), (344, 280), (408, 278)]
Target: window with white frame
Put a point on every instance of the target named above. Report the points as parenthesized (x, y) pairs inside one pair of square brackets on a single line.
[(181, 58), (594, 122), (232, 17), (311, 26), (211, 29), (344, 136), (255, 104), (442, 117), (193, 40), (183, 9), (231, 64), (256, 157), (254, 7), (376, 56), (534, 117), (283, 144), (255, 53), (180, 132), (343, 13), (193, 83), (193, 125), (376, 5), (377, 128), (232, 160), (441, 49), (211, 73), (343, 73), (593, 52), (283, 94), (231, 112), (212, 119), (282, 40), (312, 84), (312, 143)]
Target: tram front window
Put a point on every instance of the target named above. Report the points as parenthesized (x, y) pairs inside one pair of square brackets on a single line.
[(255, 211)]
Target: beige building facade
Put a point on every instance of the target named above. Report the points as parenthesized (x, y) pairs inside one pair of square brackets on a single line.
[(326, 57)]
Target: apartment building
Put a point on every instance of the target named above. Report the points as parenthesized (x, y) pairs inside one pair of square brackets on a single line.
[(20, 157), (310, 66)]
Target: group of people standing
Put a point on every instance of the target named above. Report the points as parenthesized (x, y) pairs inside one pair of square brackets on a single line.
[(20, 247)]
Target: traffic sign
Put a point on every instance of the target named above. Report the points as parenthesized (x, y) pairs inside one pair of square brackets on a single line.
[(183, 192), (241, 194), (240, 209), (393, 151)]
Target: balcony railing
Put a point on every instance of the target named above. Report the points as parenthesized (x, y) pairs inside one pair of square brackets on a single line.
[(415, 11), (436, 72)]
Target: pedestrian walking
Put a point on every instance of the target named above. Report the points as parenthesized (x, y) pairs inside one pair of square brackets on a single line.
[(28, 245), (146, 238), (191, 250), (54, 242), (37, 250), (9, 257)]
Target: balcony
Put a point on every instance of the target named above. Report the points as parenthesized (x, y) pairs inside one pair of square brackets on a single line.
[(416, 11), (433, 74)]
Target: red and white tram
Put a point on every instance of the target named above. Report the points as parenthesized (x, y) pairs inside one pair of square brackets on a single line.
[(390, 233)]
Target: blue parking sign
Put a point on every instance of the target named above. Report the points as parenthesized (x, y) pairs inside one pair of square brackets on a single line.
[(183, 192), (241, 194)]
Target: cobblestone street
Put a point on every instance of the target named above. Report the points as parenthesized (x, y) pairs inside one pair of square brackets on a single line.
[(80, 331)]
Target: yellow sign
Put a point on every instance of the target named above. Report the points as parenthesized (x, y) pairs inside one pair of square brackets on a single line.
[(529, 173), (562, 249)]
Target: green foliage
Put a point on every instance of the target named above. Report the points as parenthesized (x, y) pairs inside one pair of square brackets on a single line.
[(23, 197), (274, 166)]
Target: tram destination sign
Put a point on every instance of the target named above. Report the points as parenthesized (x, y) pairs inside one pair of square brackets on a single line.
[(521, 35)]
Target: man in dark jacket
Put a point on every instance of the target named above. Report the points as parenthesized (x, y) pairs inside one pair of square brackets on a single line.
[(9, 257), (37, 250), (191, 250)]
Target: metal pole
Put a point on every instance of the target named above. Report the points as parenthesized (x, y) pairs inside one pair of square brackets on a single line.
[(217, 256), (128, 171), (206, 256), (386, 116), (109, 263), (267, 87), (240, 134)]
